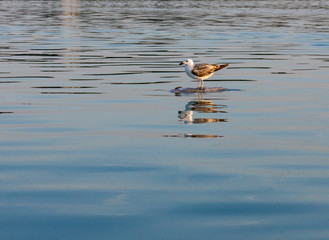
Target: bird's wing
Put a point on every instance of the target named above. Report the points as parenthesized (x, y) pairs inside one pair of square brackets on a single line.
[(204, 69), (222, 66)]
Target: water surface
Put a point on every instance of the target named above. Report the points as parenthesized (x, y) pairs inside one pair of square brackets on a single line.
[(95, 146)]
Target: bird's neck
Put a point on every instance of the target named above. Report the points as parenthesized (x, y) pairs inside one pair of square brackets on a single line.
[(189, 66)]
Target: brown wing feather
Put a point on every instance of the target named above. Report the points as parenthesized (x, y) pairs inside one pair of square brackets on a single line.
[(222, 66), (202, 69)]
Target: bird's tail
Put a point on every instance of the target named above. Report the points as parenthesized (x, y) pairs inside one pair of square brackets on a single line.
[(221, 66)]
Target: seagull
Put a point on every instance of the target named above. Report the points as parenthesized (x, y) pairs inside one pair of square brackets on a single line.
[(200, 71)]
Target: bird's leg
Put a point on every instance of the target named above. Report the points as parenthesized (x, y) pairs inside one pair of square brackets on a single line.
[(200, 96), (199, 83), (202, 84)]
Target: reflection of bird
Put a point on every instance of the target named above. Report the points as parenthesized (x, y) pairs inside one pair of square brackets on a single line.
[(200, 71), (192, 135), (201, 106), (204, 106)]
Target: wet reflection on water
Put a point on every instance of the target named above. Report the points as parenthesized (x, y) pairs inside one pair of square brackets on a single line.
[(188, 135), (203, 107), (200, 106), (91, 144)]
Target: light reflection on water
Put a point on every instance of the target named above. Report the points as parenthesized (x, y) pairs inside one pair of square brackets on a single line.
[(93, 143), (200, 106)]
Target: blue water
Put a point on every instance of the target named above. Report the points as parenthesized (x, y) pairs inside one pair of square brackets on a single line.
[(94, 145)]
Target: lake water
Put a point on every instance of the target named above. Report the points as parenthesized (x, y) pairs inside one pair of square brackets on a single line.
[(94, 145)]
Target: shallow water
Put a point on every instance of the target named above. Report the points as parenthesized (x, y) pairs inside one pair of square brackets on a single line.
[(95, 146)]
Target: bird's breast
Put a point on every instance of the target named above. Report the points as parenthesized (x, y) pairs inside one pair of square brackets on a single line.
[(189, 73)]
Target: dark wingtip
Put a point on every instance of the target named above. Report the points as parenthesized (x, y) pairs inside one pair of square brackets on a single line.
[(223, 66)]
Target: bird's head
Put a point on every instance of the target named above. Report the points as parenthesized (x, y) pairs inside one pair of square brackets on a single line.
[(186, 62)]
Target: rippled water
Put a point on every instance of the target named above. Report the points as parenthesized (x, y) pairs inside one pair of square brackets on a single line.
[(95, 146)]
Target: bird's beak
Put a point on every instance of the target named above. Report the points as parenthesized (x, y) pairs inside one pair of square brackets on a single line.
[(181, 63)]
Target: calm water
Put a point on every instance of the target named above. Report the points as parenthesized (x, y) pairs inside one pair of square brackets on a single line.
[(95, 146)]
